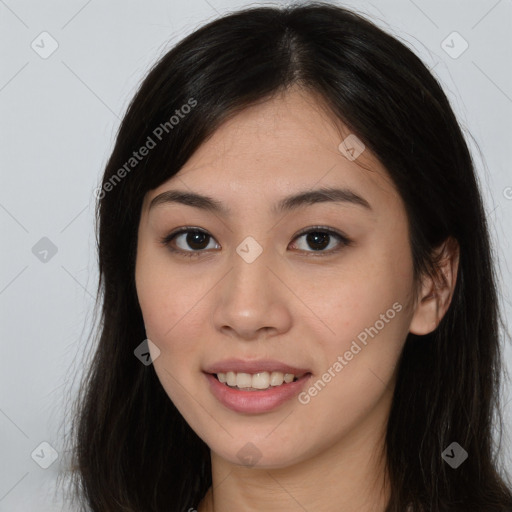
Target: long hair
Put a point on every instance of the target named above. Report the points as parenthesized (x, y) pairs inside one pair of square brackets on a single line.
[(132, 450)]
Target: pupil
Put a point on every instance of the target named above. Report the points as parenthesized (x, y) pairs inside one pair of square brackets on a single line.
[(318, 238), (195, 239)]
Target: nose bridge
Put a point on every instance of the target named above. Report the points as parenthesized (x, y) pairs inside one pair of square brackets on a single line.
[(249, 299), (250, 277)]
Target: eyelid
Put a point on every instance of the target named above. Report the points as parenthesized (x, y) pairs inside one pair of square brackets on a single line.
[(342, 238), (167, 239), (323, 229), (183, 229)]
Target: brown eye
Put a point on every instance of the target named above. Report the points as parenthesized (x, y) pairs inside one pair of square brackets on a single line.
[(188, 241), (195, 240), (318, 239), (191, 242)]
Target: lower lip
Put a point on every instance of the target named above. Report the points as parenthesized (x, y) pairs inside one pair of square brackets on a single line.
[(255, 402)]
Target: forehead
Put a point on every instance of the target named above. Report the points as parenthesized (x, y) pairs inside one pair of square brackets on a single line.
[(288, 144)]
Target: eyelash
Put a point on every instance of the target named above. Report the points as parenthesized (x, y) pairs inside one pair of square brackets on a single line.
[(344, 241)]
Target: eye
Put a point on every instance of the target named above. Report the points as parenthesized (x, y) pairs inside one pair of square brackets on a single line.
[(188, 238), (319, 238), (191, 241)]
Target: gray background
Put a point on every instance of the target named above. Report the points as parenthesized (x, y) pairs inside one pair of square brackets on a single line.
[(58, 117)]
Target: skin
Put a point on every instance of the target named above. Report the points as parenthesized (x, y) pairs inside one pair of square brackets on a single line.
[(293, 304)]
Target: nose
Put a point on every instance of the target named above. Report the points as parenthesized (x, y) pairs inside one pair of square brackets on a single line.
[(253, 302)]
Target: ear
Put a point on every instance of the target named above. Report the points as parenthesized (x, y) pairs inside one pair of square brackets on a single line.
[(436, 293)]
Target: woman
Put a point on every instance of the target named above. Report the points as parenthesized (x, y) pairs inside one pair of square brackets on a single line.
[(299, 306)]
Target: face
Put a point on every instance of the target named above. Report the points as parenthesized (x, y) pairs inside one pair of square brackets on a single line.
[(318, 288)]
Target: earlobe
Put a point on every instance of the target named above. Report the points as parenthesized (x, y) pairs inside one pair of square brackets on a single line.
[(436, 293)]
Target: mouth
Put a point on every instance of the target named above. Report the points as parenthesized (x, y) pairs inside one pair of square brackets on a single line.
[(256, 393), (259, 381)]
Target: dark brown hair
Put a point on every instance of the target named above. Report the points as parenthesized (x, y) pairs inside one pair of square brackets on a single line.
[(132, 449)]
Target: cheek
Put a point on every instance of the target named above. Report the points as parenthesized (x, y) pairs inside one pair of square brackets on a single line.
[(369, 320), (367, 311), (169, 299), (359, 297), (169, 305)]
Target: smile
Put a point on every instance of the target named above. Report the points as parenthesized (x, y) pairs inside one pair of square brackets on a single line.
[(256, 381), (244, 395)]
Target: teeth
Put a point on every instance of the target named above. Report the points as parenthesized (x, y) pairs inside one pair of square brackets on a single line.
[(243, 380), (231, 378), (288, 377), (262, 380), (276, 378)]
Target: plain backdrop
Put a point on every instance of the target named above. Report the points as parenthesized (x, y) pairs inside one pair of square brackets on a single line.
[(68, 70)]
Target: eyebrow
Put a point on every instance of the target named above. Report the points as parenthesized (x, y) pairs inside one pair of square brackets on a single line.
[(287, 204)]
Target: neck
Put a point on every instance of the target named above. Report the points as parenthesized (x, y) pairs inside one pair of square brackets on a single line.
[(349, 476)]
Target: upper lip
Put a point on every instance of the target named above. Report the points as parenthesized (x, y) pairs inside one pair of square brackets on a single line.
[(254, 366)]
